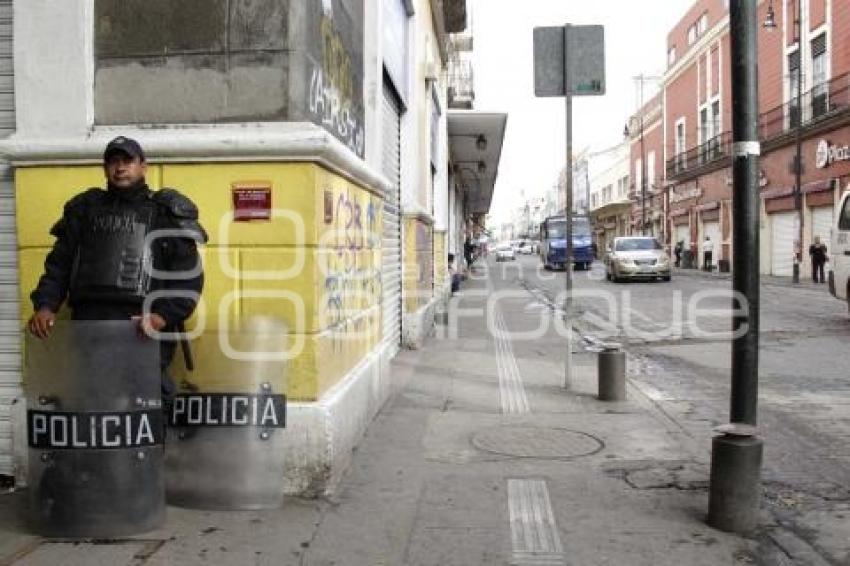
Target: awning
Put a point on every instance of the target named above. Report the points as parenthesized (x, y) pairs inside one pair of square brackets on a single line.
[(708, 206), (476, 163), (616, 207), (818, 186)]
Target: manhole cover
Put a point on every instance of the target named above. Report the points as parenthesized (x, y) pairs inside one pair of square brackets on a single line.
[(537, 442)]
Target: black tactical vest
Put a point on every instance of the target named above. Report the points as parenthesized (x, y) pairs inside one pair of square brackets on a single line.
[(113, 262)]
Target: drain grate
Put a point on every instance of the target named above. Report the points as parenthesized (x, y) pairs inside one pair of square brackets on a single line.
[(537, 442)]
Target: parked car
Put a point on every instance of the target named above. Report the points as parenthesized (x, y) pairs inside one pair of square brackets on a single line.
[(839, 252), (505, 252), (525, 247), (637, 257)]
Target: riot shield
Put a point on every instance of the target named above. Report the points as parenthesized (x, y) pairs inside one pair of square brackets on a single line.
[(224, 426), (95, 431)]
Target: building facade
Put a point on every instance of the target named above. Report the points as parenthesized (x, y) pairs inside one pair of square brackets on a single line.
[(610, 203), (696, 102), (335, 110)]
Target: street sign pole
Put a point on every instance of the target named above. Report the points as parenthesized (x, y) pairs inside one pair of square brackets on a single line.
[(568, 212), (736, 453), (569, 61)]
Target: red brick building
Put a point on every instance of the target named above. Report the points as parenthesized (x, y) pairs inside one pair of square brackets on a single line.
[(695, 193), (646, 134)]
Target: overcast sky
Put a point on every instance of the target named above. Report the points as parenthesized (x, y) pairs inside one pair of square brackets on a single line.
[(533, 154)]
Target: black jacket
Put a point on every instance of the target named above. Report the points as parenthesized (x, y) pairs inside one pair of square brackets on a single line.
[(818, 253), (173, 211)]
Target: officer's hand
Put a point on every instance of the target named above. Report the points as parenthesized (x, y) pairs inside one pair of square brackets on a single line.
[(149, 324), (41, 323)]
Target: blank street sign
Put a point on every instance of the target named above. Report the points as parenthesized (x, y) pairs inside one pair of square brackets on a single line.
[(586, 52)]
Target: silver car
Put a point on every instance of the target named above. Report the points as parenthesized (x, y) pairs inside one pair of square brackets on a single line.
[(505, 252), (637, 257)]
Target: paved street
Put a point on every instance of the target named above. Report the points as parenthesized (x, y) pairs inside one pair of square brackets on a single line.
[(483, 457), (804, 386)]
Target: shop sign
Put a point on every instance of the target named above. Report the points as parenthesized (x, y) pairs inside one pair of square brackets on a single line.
[(252, 201), (828, 153), (684, 193)]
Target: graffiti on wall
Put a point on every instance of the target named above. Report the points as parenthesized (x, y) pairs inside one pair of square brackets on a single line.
[(333, 98), (419, 275), (352, 274)]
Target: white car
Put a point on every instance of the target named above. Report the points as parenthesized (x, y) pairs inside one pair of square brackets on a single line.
[(839, 252), (505, 252)]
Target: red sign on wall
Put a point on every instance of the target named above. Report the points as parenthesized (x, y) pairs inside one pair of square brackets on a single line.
[(252, 201)]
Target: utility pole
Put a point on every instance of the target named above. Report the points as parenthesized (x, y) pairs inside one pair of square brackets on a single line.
[(736, 453), (641, 78), (642, 165), (798, 140)]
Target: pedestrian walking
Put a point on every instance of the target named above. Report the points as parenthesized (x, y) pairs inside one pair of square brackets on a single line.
[(107, 257), (454, 276), (817, 253), (707, 253), (468, 251), (677, 250)]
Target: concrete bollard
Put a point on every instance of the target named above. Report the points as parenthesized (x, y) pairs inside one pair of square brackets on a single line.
[(735, 488), (441, 315), (611, 367)]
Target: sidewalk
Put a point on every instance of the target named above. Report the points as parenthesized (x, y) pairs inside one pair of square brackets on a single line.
[(480, 457), (805, 281)]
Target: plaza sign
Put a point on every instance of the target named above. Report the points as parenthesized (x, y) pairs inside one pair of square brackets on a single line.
[(828, 153)]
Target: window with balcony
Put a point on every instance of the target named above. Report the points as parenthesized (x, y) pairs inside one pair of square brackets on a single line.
[(638, 175), (650, 171), (624, 188), (702, 24), (680, 140), (671, 55), (692, 34), (793, 85), (820, 104), (713, 144)]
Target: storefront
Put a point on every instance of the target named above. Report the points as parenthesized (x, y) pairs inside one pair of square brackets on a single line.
[(826, 169), (609, 222), (709, 218)]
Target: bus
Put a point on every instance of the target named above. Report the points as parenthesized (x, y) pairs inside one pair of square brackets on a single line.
[(553, 242)]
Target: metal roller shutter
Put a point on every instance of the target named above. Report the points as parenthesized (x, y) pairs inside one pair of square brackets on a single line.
[(391, 263), (782, 243), (712, 230), (10, 337), (822, 218), (683, 234)]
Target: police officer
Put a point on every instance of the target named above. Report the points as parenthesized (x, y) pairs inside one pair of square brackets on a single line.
[(108, 248)]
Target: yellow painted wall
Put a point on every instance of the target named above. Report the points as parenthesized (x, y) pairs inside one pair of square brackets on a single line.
[(418, 263), (441, 262), (320, 255)]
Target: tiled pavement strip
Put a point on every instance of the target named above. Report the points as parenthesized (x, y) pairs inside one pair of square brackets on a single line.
[(534, 533)]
